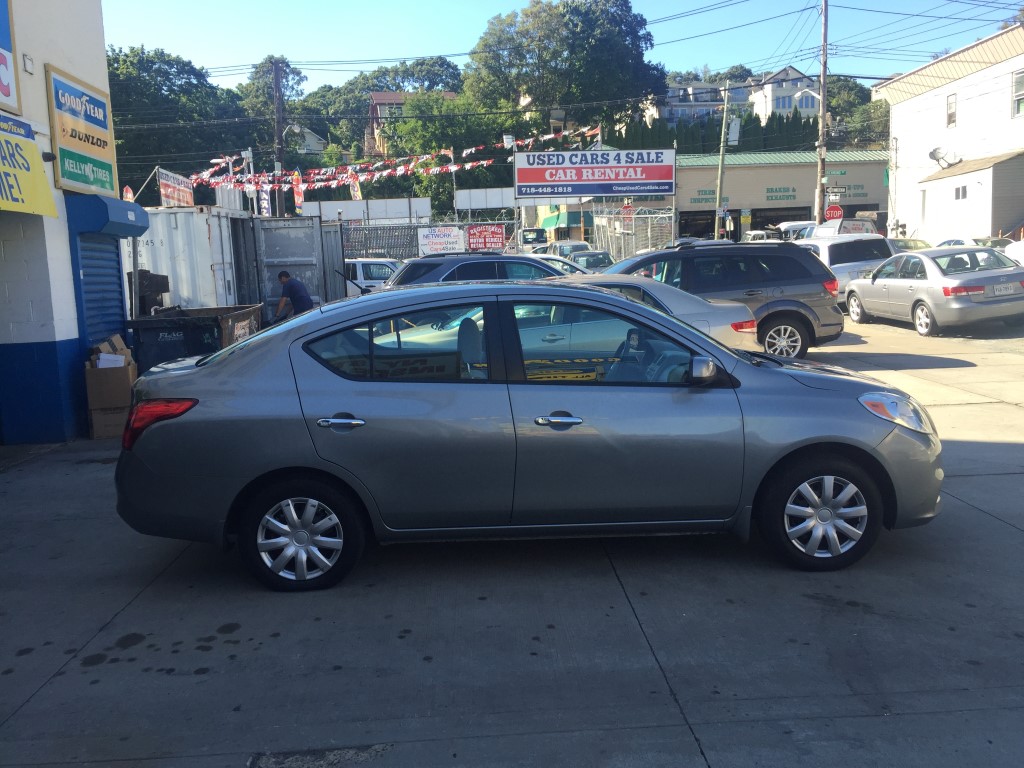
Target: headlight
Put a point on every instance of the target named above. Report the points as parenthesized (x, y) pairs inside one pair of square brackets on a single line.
[(899, 409)]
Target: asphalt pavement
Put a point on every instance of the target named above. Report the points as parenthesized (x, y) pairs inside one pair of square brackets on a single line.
[(121, 649)]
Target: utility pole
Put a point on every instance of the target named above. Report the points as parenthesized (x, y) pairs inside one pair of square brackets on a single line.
[(721, 161), (278, 135), (819, 184)]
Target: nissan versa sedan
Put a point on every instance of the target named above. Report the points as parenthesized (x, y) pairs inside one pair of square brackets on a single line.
[(728, 322), (284, 442), (941, 287)]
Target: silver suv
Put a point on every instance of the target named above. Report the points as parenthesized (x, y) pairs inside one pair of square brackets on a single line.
[(792, 295)]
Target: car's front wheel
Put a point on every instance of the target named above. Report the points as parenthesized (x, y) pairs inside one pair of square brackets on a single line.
[(856, 309), (785, 338), (301, 534), (924, 321), (821, 514)]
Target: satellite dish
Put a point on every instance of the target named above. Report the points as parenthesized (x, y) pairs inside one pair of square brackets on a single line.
[(944, 157)]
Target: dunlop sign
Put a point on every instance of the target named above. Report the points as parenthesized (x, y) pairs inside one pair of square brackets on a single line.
[(83, 135)]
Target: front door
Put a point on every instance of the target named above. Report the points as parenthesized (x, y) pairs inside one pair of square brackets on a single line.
[(874, 294), (609, 430), (910, 281)]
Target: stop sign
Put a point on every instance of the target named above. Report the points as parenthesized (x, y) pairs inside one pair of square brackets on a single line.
[(833, 212)]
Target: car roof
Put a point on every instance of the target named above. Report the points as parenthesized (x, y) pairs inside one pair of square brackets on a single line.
[(842, 238)]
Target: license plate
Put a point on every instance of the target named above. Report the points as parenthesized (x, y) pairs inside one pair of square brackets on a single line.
[(1003, 290)]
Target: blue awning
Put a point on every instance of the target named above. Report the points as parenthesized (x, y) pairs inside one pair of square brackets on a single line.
[(105, 215)]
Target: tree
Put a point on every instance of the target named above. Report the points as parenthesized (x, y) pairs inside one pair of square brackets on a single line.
[(844, 95), (675, 77), (734, 74), (150, 91), (587, 55), (1018, 19), (257, 94), (869, 125)]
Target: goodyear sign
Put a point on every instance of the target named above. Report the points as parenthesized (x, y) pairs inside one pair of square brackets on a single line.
[(23, 183), (83, 135)]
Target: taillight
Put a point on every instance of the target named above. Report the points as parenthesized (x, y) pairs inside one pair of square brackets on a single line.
[(150, 412), (962, 290), (832, 286), (745, 326)]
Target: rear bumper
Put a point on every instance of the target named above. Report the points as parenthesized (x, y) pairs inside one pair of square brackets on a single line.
[(964, 311), (830, 327)]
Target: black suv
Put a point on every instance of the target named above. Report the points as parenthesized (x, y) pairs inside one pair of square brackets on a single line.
[(792, 295), (478, 265)]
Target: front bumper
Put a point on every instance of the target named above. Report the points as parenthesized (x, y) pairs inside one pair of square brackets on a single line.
[(914, 462)]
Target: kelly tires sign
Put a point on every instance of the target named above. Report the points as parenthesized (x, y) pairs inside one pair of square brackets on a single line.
[(608, 173), (83, 135)]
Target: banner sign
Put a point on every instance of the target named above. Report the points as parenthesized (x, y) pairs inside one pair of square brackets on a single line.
[(300, 197), (23, 183), (263, 197), (485, 237), (175, 190), (434, 240), (10, 96), (83, 135), (610, 173)]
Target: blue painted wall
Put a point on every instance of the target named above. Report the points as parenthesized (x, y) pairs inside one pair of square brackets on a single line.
[(42, 393)]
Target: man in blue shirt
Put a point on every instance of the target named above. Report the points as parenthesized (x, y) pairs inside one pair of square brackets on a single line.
[(295, 292)]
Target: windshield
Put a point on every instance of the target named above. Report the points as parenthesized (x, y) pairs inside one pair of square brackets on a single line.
[(258, 339), (411, 273)]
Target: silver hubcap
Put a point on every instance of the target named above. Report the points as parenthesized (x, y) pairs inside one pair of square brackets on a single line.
[(922, 319), (854, 308), (826, 516), (783, 340), (300, 539)]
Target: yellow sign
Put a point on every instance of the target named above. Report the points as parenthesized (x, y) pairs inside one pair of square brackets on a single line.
[(23, 183), (83, 135)]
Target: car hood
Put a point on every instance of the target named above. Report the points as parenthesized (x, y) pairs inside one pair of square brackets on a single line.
[(831, 377)]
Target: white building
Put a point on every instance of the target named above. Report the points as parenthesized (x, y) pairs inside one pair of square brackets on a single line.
[(957, 141), (783, 91), (61, 283)]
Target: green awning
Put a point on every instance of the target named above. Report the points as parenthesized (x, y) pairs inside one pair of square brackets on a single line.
[(566, 219)]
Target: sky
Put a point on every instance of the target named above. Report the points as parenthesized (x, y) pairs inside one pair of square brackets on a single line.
[(333, 40)]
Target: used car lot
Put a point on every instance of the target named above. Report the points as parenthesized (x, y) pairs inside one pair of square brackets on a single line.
[(519, 378), (594, 651)]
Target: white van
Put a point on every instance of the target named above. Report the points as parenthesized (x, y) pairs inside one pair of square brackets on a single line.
[(843, 227), (788, 229), (370, 273)]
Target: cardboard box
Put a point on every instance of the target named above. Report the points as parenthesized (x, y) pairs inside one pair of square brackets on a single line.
[(113, 346), (107, 422), (110, 387)]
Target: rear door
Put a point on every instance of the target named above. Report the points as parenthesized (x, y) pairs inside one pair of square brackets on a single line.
[(731, 276)]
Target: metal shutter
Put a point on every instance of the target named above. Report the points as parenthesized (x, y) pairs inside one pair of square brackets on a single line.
[(102, 287)]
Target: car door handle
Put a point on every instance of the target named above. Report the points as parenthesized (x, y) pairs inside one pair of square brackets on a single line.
[(557, 421), (752, 293), (328, 423), (551, 338)]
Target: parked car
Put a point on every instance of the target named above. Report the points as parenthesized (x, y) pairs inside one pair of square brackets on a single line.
[(568, 266), (988, 242), (790, 229), (849, 256), (563, 248), (843, 227), (727, 322), (370, 273), (759, 235), (595, 261), (282, 443), (792, 295), (1015, 252), (908, 244), (479, 265), (941, 287)]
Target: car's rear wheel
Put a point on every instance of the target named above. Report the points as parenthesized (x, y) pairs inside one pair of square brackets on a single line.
[(856, 309), (785, 338), (924, 321), (821, 514), (301, 534)]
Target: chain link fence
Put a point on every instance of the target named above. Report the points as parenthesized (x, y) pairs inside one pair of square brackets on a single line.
[(624, 232), (400, 241)]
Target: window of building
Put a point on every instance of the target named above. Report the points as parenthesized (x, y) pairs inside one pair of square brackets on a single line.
[(951, 111), (1018, 93), (961, 192)]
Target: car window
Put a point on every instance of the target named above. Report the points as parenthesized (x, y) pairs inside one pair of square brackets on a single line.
[(720, 272), (975, 260), (889, 268), (444, 344), (518, 270), (912, 268), (581, 345), (377, 271), (783, 266), (413, 272), (350, 271), (593, 261), (857, 250), (637, 293), (664, 271), (473, 270)]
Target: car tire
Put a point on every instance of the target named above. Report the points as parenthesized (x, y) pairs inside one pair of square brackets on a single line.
[(924, 320), (856, 309), (302, 534), (821, 514), (785, 338)]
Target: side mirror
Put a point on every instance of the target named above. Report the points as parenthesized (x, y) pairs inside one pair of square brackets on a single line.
[(702, 370)]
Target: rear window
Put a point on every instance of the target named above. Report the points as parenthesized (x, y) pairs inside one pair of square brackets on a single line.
[(413, 272), (980, 260), (784, 266), (474, 270), (858, 250)]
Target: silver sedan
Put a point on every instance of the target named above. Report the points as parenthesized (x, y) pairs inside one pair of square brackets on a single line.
[(564, 410), (727, 322), (941, 287)]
